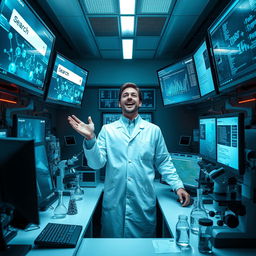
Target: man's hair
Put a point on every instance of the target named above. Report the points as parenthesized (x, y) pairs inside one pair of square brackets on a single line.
[(130, 85)]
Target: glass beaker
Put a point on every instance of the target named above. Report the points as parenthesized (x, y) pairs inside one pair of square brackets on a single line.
[(197, 212), (60, 210), (182, 231), (205, 236), (78, 191)]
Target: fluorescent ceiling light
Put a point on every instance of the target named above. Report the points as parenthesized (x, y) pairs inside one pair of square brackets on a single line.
[(127, 6), (127, 48), (127, 25)]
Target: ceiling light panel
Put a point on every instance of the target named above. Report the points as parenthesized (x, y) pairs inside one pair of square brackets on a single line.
[(153, 6), (127, 25), (101, 6), (127, 6), (127, 48)]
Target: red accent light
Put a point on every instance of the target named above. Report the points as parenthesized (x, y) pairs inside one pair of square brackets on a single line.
[(244, 101), (8, 101)]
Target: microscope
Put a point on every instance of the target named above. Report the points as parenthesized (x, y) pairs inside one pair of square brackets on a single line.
[(66, 172), (234, 199)]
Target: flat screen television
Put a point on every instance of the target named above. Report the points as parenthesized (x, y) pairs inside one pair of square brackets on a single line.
[(178, 82), (207, 141), (230, 142), (26, 46), (204, 70), (67, 82), (232, 38)]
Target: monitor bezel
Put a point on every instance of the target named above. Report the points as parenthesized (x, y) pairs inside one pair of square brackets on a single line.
[(241, 79), (214, 77), (10, 78), (63, 103), (183, 102)]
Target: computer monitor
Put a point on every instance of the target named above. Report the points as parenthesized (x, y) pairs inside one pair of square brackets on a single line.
[(67, 83), (178, 82), (70, 140), (45, 187), (26, 46), (230, 142), (187, 169), (29, 127), (18, 180), (232, 38), (207, 141), (185, 140), (203, 70)]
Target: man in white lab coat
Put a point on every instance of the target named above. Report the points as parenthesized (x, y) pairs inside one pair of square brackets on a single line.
[(131, 148)]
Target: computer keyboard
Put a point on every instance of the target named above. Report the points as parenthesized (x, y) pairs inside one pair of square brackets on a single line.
[(56, 235)]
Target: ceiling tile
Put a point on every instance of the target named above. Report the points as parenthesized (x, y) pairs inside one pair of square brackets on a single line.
[(101, 6), (153, 6), (107, 54), (150, 26), (104, 26), (143, 54), (146, 42), (194, 9), (107, 43)]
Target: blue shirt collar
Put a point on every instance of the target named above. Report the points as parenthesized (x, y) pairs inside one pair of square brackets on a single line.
[(126, 121)]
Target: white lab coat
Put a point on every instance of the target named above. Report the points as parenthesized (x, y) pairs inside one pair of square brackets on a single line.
[(129, 202)]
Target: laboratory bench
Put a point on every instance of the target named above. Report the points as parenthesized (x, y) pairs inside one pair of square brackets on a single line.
[(87, 245)]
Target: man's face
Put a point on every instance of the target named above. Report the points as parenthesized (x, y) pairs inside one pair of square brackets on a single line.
[(130, 101)]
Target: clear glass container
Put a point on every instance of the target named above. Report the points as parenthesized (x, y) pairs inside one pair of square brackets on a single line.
[(60, 210), (72, 207), (205, 236), (197, 212), (182, 231), (78, 190)]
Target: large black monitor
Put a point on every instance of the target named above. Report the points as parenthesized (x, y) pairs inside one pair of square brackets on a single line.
[(203, 70), (230, 142), (178, 82), (207, 141), (26, 46), (18, 180), (67, 83), (232, 38), (30, 127)]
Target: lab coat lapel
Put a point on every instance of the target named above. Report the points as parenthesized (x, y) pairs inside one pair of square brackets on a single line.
[(138, 128), (120, 126)]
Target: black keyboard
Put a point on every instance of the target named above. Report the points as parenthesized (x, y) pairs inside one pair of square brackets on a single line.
[(56, 235)]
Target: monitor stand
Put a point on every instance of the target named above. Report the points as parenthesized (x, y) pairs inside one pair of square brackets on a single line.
[(16, 249), (13, 249)]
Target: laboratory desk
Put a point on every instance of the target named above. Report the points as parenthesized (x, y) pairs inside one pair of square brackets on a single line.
[(169, 208), (86, 208)]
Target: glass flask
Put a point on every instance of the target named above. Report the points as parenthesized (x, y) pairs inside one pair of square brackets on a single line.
[(78, 190), (197, 212), (205, 236), (72, 207), (182, 231), (60, 210)]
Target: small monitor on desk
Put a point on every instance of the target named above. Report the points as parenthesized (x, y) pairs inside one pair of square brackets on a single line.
[(185, 140), (188, 169)]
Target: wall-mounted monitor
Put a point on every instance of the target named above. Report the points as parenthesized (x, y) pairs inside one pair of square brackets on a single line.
[(32, 127), (232, 38), (178, 82), (203, 70), (67, 82), (230, 142), (70, 140), (185, 140), (207, 141), (26, 46)]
